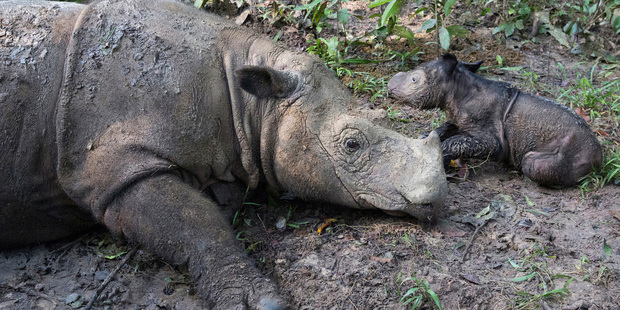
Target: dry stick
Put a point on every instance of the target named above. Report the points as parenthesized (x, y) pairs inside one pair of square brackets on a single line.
[(105, 283), (471, 240)]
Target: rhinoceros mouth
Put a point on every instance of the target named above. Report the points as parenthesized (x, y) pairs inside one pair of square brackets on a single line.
[(423, 210)]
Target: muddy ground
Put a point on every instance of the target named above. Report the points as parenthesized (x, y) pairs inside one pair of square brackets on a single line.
[(529, 247)]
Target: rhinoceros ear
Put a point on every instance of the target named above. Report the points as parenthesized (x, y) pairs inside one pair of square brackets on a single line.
[(472, 66), (266, 82), (449, 63)]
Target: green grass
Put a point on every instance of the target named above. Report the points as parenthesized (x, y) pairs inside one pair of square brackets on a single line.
[(364, 83), (535, 268), (418, 295), (609, 173), (601, 100)]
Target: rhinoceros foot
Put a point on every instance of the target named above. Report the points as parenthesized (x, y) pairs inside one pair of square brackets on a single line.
[(239, 285)]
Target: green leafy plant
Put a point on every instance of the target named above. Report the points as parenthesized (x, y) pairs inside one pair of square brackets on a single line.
[(586, 13), (365, 83), (417, 295), (440, 118), (332, 52), (535, 267), (598, 99), (276, 12), (412, 55), (319, 11), (443, 33), (609, 173), (513, 18), (388, 21), (396, 114)]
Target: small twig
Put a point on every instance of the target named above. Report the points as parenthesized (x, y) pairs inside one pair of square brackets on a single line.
[(105, 283), (471, 240), (65, 248)]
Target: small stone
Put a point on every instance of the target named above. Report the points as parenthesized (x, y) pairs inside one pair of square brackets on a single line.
[(72, 298), (281, 223)]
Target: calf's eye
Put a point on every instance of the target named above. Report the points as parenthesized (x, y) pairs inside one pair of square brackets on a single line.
[(352, 145)]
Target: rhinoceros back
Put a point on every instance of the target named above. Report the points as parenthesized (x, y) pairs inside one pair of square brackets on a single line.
[(33, 41)]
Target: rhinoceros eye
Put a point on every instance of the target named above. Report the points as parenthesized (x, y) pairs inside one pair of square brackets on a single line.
[(352, 145), (413, 79)]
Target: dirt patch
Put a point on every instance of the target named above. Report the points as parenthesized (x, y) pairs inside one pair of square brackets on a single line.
[(534, 243)]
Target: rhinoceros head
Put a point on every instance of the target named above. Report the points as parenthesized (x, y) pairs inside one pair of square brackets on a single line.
[(321, 151), (427, 86)]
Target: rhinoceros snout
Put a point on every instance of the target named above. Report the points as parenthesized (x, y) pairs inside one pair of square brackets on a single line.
[(395, 83), (425, 188)]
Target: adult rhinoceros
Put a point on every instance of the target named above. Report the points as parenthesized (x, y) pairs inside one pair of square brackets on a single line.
[(126, 113)]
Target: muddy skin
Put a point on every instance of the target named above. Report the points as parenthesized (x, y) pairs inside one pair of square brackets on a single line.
[(145, 116), (488, 119)]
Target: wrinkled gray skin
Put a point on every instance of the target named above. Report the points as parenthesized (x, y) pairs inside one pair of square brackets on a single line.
[(139, 115), (551, 144)]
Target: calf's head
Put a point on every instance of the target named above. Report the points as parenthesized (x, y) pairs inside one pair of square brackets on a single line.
[(322, 151), (427, 86)]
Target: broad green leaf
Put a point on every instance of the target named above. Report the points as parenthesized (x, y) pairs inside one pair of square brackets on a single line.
[(499, 28), (115, 255), (343, 16), (510, 29), (528, 201), (537, 211), (444, 38), (457, 31), (606, 247), (523, 278), (390, 10), (519, 24), (484, 211), (428, 24), (524, 10), (377, 3), (559, 36), (513, 264), (318, 14), (199, 3), (435, 299), (410, 291), (307, 6), (447, 6), (404, 32)]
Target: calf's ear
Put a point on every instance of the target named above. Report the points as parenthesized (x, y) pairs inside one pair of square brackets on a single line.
[(266, 82), (472, 66), (449, 63)]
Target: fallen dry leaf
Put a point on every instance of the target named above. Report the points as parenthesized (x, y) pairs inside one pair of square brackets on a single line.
[(602, 133), (380, 259), (325, 225), (615, 213), (581, 112)]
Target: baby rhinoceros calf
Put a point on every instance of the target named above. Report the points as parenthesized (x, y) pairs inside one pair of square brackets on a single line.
[(551, 144)]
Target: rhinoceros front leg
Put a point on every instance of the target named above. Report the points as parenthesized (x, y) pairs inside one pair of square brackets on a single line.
[(465, 146), (180, 224)]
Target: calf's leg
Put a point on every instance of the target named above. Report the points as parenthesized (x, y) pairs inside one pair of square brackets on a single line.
[(465, 146), (562, 166)]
